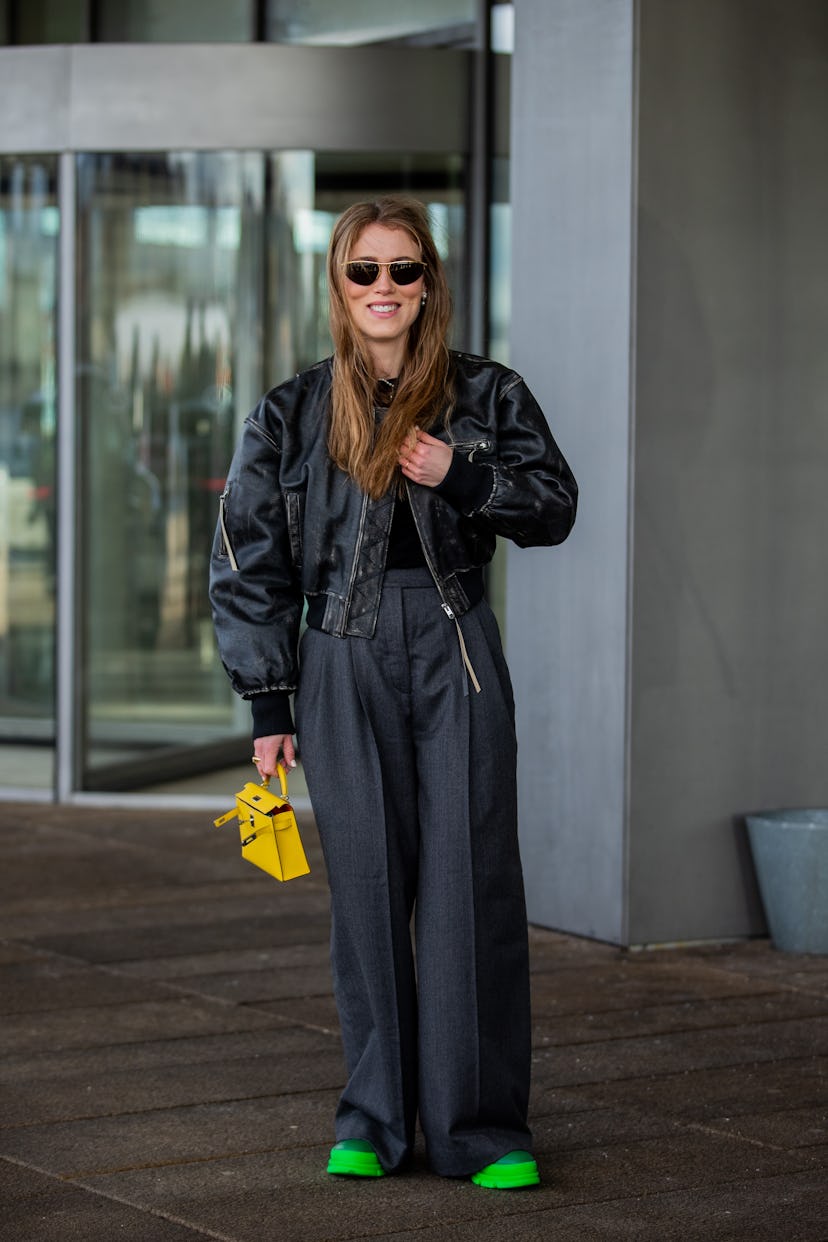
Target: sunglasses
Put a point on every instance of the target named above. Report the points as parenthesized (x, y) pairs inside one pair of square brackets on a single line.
[(402, 271)]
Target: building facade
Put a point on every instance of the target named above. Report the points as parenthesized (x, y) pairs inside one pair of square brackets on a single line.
[(629, 197)]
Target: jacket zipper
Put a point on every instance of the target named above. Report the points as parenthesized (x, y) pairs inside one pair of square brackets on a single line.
[(355, 564), (446, 607)]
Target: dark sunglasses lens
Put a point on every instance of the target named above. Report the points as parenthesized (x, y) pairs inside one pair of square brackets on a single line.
[(362, 273), (402, 272), (405, 273)]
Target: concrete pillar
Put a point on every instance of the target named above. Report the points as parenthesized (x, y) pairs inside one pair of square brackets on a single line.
[(669, 278)]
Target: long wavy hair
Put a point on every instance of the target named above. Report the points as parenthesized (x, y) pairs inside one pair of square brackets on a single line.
[(365, 451)]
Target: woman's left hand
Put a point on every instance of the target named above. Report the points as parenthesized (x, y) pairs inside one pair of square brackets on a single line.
[(424, 459)]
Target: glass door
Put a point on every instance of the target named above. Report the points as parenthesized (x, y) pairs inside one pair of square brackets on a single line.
[(201, 284), (28, 295), (169, 273)]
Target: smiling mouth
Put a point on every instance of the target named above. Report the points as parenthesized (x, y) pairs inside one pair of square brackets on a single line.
[(383, 308)]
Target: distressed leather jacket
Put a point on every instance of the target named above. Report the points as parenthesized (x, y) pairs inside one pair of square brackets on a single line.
[(292, 526)]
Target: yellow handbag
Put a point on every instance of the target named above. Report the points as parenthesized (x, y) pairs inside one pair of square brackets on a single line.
[(269, 833)]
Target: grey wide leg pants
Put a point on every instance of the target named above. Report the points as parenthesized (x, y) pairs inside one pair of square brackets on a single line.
[(412, 779)]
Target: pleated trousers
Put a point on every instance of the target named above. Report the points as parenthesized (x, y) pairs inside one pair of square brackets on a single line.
[(411, 776)]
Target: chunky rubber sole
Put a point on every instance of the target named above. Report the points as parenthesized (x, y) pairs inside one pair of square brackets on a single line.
[(354, 1158), (511, 1172)]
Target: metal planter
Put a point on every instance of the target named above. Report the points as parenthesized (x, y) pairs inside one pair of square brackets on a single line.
[(790, 853)]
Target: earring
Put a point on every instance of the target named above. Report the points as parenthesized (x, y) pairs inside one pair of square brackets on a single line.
[(423, 299)]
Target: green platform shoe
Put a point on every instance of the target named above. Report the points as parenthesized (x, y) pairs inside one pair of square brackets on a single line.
[(511, 1172), (355, 1158)]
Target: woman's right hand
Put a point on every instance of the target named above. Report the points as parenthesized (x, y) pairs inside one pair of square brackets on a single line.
[(268, 750)]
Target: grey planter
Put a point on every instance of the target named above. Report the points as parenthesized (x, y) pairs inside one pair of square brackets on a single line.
[(790, 853)]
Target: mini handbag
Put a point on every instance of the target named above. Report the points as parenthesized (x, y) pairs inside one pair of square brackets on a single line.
[(269, 832)]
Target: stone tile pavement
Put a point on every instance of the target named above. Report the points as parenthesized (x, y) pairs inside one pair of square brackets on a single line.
[(170, 1063)]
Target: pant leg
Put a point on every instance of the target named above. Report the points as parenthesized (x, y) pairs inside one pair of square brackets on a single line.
[(471, 933), (413, 786), (353, 724)]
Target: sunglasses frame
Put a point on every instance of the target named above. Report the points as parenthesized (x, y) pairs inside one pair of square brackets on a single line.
[(379, 266)]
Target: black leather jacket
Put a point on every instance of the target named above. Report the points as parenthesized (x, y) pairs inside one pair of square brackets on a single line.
[(293, 525)]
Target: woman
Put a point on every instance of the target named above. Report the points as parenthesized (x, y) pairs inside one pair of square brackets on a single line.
[(373, 486)]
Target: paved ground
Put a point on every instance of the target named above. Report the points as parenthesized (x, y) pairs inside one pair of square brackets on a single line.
[(170, 1065)]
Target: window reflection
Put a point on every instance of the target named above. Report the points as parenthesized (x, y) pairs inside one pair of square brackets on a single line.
[(201, 284), (44, 21), (169, 246), (341, 23), (332, 23), (185, 21), (28, 283)]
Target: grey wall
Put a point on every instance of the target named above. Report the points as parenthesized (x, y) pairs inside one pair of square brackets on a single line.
[(566, 620), (670, 290), (730, 599)]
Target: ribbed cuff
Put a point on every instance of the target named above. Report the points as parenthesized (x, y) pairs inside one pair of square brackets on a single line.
[(271, 713), (467, 486)]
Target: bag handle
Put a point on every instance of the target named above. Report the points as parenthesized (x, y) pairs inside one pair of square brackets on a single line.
[(281, 772), (233, 813)]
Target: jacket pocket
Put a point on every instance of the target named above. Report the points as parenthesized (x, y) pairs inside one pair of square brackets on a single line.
[(471, 448), (226, 545), (294, 504)]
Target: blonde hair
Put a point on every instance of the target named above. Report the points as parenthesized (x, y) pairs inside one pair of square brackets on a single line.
[(364, 451)]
